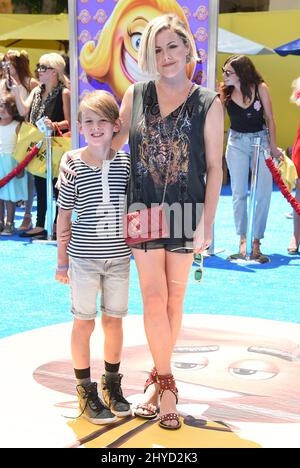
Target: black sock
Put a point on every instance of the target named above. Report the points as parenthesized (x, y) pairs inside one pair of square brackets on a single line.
[(83, 376), (111, 369)]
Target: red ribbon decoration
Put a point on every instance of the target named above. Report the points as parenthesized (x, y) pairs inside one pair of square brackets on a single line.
[(19, 168), (281, 185)]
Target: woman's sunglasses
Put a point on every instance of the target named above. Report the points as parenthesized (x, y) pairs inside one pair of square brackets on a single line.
[(227, 72), (198, 260), (198, 275), (43, 68)]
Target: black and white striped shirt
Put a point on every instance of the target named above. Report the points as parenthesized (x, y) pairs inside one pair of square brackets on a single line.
[(98, 196)]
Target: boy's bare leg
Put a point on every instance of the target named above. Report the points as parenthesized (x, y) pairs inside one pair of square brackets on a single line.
[(113, 338), (80, 343)]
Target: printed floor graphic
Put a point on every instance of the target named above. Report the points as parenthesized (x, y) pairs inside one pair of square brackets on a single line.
[(238, 380)]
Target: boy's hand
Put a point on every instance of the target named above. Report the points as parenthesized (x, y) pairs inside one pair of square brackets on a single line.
[(62, 276)]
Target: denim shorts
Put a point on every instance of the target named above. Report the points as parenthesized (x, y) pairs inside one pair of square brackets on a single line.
[(88, 277), (179, 247)]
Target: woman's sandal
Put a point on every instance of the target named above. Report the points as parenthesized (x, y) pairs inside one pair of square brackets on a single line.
[(167, 382), (293, 250), (149, 407), (26, 223)]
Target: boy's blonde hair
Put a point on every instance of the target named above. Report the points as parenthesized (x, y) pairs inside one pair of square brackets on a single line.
[(55, 61), (147, 54), (100, 102)]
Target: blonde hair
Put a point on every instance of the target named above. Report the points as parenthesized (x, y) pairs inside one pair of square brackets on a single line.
[(147, 55), (296, 90), (55, 61), (100, 102)]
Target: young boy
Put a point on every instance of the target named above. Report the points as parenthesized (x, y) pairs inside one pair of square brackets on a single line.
[(96, 256)]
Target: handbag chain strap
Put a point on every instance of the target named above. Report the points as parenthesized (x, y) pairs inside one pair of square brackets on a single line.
[(171, 140)]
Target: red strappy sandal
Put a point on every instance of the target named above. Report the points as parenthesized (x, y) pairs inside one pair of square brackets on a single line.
[(149, 407), (167, 382)]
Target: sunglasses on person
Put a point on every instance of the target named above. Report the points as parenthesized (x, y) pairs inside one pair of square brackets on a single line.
[(227, 72), (43, 68)]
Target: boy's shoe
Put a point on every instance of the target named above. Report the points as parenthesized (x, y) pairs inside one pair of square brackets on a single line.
[(91, 406), (9, 230), (113, 396)]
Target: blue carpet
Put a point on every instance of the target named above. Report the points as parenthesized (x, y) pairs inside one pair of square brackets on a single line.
[(30, 298)]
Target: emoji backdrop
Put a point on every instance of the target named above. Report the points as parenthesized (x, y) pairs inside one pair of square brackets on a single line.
[(108, 35)]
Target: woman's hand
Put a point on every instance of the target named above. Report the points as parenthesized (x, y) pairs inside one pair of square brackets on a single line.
[(202, 238), (49, 124), (277, 153), (64, 169), (62, 276)]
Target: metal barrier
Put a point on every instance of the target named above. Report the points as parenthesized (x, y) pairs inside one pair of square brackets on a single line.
[(49, 184), (252, 200)]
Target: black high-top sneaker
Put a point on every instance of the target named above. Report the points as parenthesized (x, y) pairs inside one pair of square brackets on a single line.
[(113, 396), (91, 407)]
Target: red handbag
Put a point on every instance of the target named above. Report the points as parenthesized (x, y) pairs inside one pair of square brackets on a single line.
[(145, 225)]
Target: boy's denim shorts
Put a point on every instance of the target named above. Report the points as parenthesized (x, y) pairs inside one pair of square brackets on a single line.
[(89, 276)]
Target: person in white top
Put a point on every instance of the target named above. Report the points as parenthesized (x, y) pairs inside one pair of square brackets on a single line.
[(16, 189), (20, 72)]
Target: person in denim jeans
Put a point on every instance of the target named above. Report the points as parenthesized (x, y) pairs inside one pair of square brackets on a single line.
[(248, 103)]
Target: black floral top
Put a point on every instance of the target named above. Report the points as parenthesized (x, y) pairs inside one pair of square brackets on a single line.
[(150, 152)]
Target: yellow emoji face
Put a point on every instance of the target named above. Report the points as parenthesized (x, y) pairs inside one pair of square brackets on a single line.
[(115, 59)]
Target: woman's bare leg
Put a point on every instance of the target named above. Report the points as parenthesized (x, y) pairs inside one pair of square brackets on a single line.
[(178, 267), (162, 315)]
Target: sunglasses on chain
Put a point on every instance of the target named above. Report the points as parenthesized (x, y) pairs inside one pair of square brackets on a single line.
[(227, 72), (43, 68)]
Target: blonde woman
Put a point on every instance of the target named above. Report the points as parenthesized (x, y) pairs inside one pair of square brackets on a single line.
[(50, 99), (170, 117)]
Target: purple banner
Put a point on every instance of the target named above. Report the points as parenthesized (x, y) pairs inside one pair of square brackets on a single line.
[(108, 35)]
